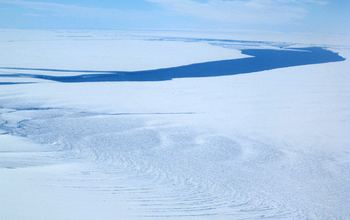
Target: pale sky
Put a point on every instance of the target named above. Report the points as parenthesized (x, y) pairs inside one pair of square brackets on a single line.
[(311, 16)]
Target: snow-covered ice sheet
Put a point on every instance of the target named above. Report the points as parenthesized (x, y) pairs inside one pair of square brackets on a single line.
[(271, 144), (109, 51)]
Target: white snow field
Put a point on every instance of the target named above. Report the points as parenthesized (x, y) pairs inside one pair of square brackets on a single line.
[(273, 144)]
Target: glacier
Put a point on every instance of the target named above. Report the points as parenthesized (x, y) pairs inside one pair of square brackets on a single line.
[(269, 144)]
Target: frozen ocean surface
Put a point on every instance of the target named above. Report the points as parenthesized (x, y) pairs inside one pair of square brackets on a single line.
[(271, 144)]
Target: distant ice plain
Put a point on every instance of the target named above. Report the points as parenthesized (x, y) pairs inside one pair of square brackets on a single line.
[(271, 144)]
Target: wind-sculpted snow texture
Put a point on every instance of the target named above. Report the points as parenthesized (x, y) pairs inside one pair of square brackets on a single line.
[(200, 141), (263, 59)]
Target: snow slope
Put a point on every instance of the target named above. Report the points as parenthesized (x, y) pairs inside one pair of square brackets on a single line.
[(271, 144)]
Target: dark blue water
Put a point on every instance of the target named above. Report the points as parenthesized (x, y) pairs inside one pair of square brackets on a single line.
[(263, 59)]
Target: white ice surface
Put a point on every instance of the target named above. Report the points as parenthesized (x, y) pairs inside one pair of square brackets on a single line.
[(271, 144), (110, 51)]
